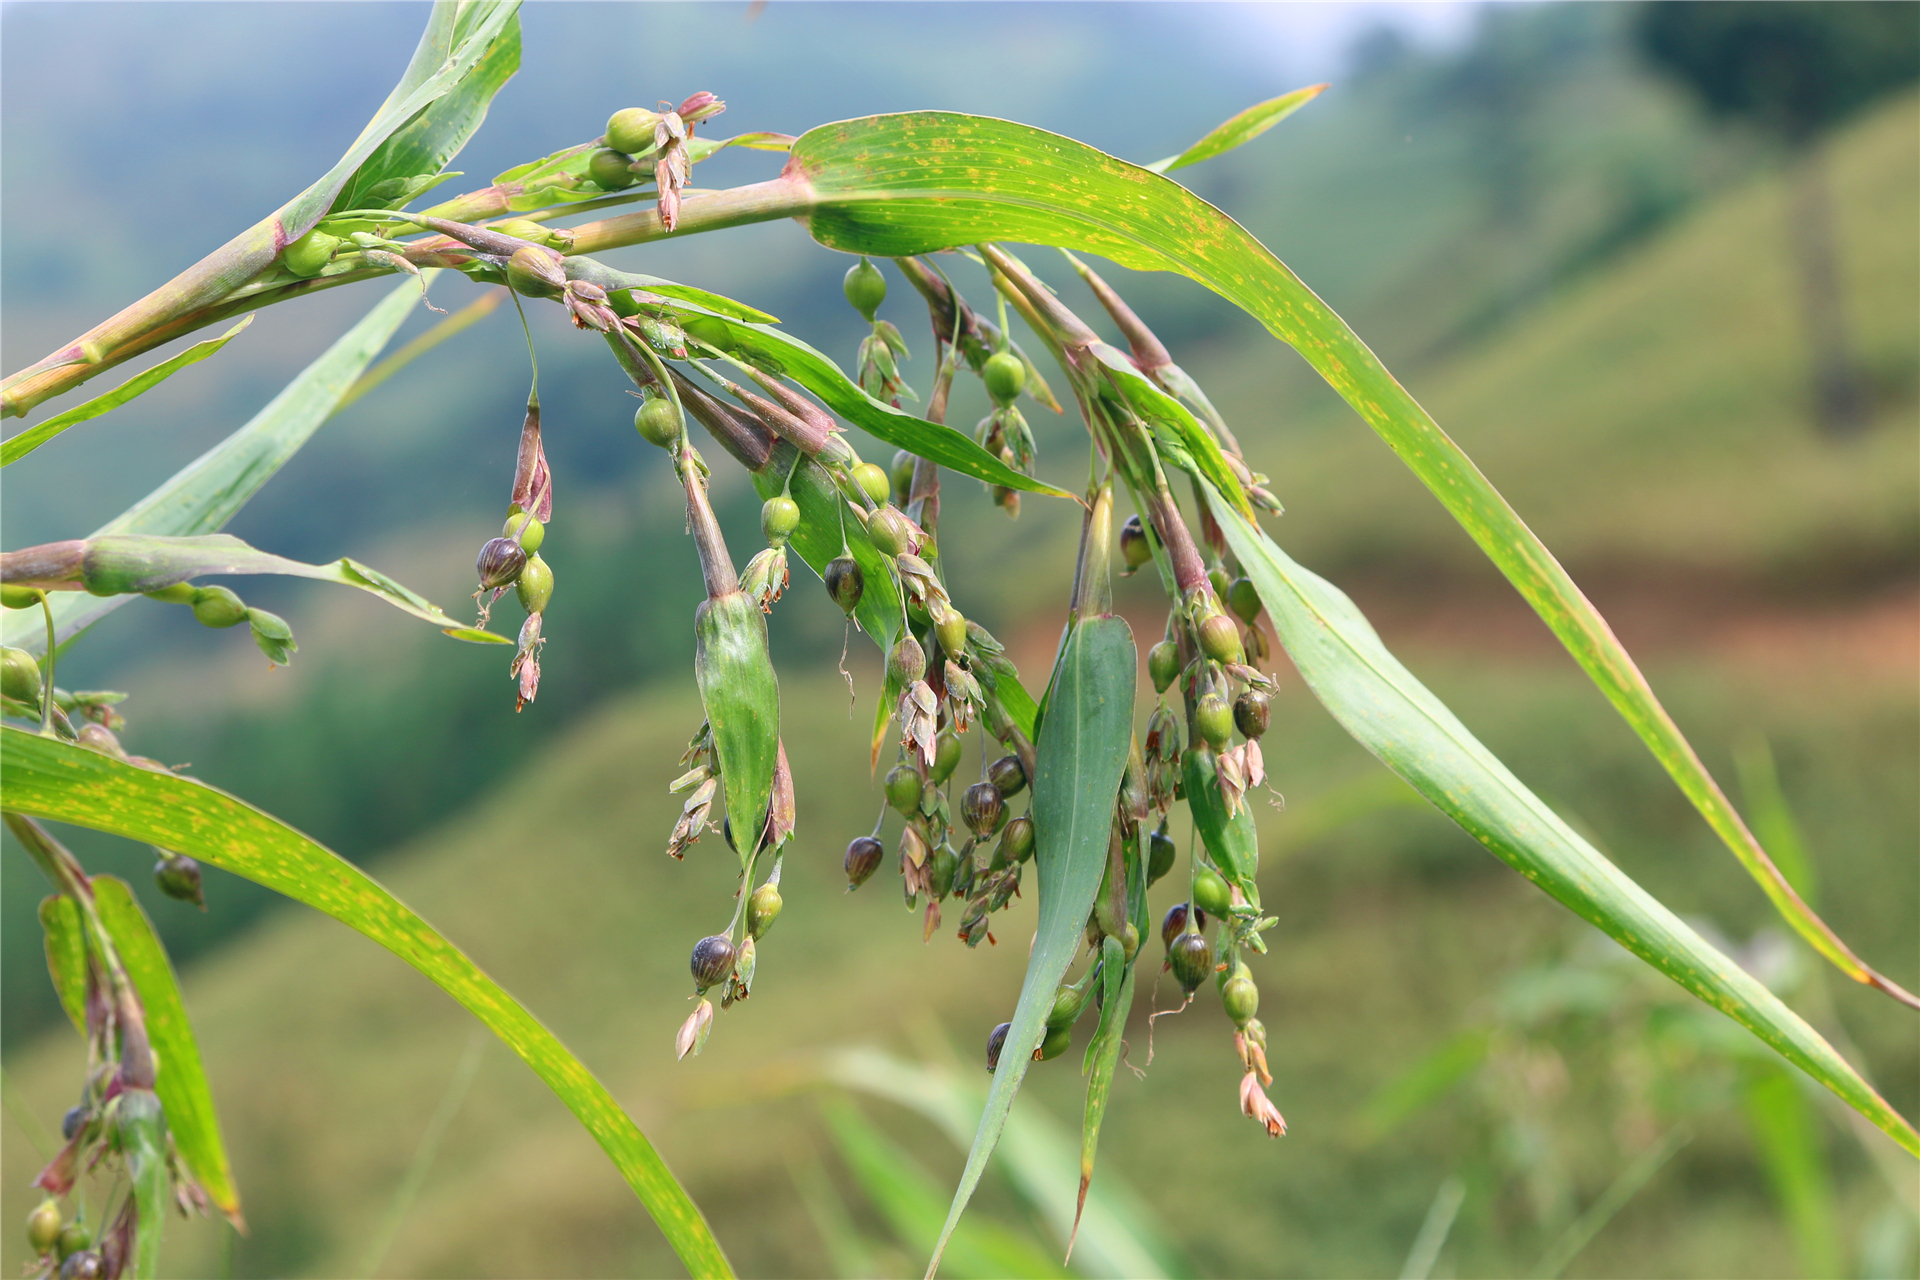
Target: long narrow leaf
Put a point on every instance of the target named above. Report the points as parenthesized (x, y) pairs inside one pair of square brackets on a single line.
[(1393, 715), (182, 1084), (1241, 128), (1103, 1055), (919, 182), (71, 784), (19, 446), (208, 491), (66, 956), (1081, 754)]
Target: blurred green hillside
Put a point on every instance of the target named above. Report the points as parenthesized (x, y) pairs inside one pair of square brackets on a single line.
[(1648, 417)]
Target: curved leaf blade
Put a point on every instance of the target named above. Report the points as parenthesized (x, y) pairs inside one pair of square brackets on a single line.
[(1082, 751), (66, 956), (1240, 129), (1393, 715), (919, 182), (71, 784), (20, 445), (208, 491), (182, 1081), (742, 697)]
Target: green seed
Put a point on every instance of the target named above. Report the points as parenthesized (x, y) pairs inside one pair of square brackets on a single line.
[(865, 287), (1160, 854), (43, 1226), (1005, 377), (1217, 576), (1133, 543), (873, 481), (522, 229), (946, 755), (1244, 599), (532, 273), (609, 169), (779, 518), (1067, 1004), (889, 531), (1211, 892), (534, 585), (218, 607), (657, 421), (631, 129), (952, 630), (1220, 639), (178, 593), (845, 582), (16, 597), (1058, 1041), (1252, 712), (1241, 998), (310, 254), (1191, 960), (526, 530), (1017, 839), (72, 1239), (1214, 719), (940, 873), (1163, 664), (763, 908), (19, 676), (902, 477), (907, 663), (903, 789)]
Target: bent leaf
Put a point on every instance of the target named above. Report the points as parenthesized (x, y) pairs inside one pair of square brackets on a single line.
[(19, 446), (1103, 1055), (1393, 716), (71, 784), (919, 182), (182, 1082), (1081, 753), (66, 956), (1241, 128), (208, 491)]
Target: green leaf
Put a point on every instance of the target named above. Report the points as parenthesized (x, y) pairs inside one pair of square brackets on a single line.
[(128, 564), (742, 698), (1793, 1151), (1103, 1055), (1231, 842), (1393, 715), (910, 1200), (920, 182), (1080, 756), (208, 491), (584, 268), (1242, 128), (779, 353), (66, 956), (182, 1080), (19, 446), (1171, 423), (71, 784)]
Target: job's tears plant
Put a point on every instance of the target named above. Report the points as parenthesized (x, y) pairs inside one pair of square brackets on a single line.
[(1074, 802)]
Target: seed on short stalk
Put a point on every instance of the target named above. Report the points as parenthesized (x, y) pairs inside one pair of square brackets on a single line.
[(1005, 376), (890, 531), (982, 808), (1241, 998), (178, 876), (951, 627), (865, 288), (1191, 959), (1220, 639), (1134, 546), (1244, 599), (763, 908), (498, 564), (996, 1040), (1252, 711), (1220, 580), (1017, 839), (712, 961), (631, 129), (611, 170), (218, 607), (1210, 890), (1163, 665), (1058, 1041), (863, 858), (946, 755), (873, 481), (533, 273), (1008, 775), (1174, 923), (903, 789), (525, 530), (902, 477), (73, 1238), (1160, 854), (310, 254), (534, 586), (941, 869), (845, 582), (43, 1226), (1214, 719), (19, 676), (657, 421), (907, 663), (779, 518)]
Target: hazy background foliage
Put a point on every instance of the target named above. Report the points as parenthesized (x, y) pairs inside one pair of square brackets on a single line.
[(1586, 275)]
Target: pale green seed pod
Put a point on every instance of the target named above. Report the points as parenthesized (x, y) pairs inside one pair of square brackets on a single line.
[(43, 1226), (611, 170), (526, 530), (310, 254), (535, 585), (657, 421), (218, 607), (631, 130), (865, 287), (532, 273), (1005, 377), (20, 676), (1210, 891), (763, 908), (779, 517), (873, 481)]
